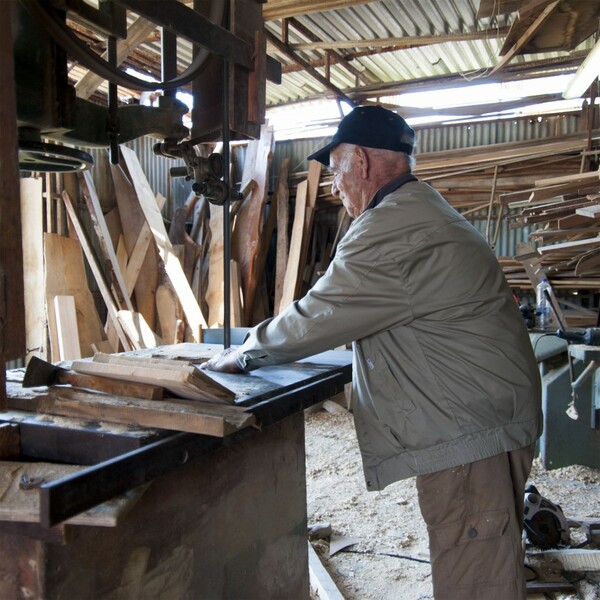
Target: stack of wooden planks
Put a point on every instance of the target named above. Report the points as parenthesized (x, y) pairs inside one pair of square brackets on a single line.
[(149, 285), (517, 184), (164, 283), (168, 391), (564, 214)]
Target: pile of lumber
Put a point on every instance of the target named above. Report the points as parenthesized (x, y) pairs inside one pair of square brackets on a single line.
[(162, 281), (547, 186), (148, 283), (139, 390), (564, 214)]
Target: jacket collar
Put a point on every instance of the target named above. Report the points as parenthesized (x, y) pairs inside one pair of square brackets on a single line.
[(390, 187)]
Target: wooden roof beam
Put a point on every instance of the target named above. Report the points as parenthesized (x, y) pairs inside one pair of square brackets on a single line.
[(282, 9), (398, 43), (285, 49), (330, 55)]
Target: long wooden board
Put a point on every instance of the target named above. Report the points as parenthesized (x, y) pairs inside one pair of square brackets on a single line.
[(110, 259), (191, 308), (32, 224), (138, 242), (247, 231), (292, 273), (217, 420)]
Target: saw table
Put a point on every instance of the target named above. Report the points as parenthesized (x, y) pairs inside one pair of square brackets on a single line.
[(144, 512)]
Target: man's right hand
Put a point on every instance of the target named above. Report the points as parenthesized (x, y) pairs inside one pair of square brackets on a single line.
[(224, 362)]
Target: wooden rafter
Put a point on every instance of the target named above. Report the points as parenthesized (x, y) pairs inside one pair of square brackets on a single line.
[(281, 9), (285, 49), (331, 56), (403, 42)]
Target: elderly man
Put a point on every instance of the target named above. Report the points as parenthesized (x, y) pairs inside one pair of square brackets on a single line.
[(445, 382)]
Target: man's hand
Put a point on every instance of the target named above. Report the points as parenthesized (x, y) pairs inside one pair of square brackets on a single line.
[(224, 362)]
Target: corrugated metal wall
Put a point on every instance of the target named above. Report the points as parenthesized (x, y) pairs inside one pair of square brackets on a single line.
[(429, 139)]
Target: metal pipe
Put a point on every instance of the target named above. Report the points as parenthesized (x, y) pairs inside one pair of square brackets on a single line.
[(226, 213)]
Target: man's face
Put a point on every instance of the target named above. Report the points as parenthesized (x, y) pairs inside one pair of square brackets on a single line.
[(347, 182)]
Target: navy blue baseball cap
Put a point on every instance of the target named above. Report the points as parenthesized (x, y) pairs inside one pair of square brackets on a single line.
[(371, 127)]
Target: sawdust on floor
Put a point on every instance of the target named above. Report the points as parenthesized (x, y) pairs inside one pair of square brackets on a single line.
[(389, 560)]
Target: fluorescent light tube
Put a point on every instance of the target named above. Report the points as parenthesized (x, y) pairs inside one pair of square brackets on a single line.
[(585, 75)]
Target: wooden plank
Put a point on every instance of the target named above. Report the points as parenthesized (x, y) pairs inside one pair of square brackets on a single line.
[(278, 9), (170, 314), (215, 290), (293, 265), (237, 311), (320, 580), (248, 227), (179, 377), (568, 246), (532, 28), (577, 179), (205, 418), (66, 327), (96, 271), (314, 176), (137, 236), (104, 240), (173, 268), (111, 386), (65, 275), (282, 199), (32, 225), (589, 211)]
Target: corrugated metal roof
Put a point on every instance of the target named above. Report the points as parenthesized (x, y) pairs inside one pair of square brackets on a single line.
[(396, 19), (366, 71)]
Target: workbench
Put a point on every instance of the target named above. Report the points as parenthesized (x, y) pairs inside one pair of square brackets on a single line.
[(147, 513)]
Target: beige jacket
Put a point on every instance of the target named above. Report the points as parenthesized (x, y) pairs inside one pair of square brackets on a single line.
[(443, 370)]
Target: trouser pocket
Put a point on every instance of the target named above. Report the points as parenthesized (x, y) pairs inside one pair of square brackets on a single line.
[(472, 555)]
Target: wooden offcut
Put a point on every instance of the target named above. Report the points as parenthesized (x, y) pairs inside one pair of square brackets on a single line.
[(92, 260), (181, 378), (65, 314), (142, 265)]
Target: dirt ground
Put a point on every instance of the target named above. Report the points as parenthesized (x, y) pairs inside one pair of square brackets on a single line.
[(389, 559)]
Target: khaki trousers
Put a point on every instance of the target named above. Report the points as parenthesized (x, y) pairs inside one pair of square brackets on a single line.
[(474, 517)]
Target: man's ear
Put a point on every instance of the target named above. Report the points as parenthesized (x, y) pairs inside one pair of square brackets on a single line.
[(363, 161)]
